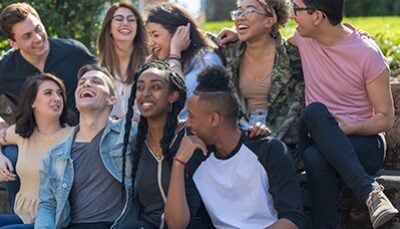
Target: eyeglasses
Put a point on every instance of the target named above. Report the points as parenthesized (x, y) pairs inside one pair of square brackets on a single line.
[(235, 14), (297, 8), (120, 18)]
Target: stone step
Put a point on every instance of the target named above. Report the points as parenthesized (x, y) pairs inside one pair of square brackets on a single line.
[(352, 213)]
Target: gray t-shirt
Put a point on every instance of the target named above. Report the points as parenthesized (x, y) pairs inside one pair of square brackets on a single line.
[(96, 196)]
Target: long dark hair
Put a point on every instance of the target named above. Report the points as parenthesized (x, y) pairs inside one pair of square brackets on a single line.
[(25, 121), (171, 16), (176, 83)]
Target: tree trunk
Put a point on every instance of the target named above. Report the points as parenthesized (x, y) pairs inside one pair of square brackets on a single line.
[(218, 10)]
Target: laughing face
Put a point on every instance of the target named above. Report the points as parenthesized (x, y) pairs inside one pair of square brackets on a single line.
[(160, 40), (123, 25), (153, 94), (30, 38), (93, 91), (48, 102), (251, 21)]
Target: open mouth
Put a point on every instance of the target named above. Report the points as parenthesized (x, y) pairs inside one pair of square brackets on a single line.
[(87, 94), (241, 27), (125, 31)]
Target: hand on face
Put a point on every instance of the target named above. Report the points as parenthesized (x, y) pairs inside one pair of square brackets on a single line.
[(180, 40), (188, 146)]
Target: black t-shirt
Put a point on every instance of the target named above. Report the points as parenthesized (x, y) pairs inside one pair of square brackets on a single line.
[(66, 57)]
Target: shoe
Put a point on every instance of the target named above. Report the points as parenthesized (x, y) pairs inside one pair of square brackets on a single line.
[(380, 208)]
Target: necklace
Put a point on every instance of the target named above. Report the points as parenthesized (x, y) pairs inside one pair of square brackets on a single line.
[(157, 156)]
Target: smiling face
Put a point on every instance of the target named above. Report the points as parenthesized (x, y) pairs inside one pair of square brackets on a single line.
[(160, 40), (123, 25), (253, 20), (48, 102), (30, 38), (94, 91), (199, 119), (153, 94), (303, 19)]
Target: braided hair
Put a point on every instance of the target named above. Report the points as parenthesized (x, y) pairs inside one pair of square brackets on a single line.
[(176, 83)]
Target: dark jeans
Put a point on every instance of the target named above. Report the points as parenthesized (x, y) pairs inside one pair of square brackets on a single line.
[(11, 152), (329, 155), (13, 222)]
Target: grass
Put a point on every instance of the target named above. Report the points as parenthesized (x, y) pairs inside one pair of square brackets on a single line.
[(373, 25)]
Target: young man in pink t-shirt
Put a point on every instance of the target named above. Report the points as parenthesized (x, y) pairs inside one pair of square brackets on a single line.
[(348, 105)]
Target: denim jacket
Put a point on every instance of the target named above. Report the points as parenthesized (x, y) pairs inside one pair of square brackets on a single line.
[(57, 175)]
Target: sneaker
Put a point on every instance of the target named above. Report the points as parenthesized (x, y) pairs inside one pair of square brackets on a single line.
[(380, 208)]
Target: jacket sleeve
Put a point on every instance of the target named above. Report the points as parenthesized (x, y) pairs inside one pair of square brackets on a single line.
[(46, 212)]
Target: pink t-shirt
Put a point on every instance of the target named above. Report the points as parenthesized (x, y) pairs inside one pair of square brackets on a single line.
[(337, 75)]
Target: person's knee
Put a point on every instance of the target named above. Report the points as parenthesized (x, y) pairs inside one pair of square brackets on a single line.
[(313, 111)]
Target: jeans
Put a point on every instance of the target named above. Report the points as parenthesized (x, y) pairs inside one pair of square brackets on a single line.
[(329, 155), (11, 152), (13, 222), (253, 117)]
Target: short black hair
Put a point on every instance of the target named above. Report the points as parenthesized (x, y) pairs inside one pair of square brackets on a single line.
[(332, 8), (216, 88)]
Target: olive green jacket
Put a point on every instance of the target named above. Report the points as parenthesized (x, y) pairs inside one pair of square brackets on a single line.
[(286, 95)]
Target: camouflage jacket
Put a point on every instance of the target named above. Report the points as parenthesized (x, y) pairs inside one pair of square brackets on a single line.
[(286, 95)]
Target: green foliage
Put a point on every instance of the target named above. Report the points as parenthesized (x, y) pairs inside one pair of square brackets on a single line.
[(356, 8), (383, 29), (78, 19)]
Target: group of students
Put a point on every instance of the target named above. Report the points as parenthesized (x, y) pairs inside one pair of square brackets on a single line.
[(166, 134)]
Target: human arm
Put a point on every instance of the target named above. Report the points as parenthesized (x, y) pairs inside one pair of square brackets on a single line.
[(284, 186), (180, 41), (7, 172), (380, 96), (177, 212), (226, 36), (46, 211)]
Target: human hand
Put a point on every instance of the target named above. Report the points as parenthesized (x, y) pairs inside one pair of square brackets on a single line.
[(259, 129), (188, 146), (180, 40), (6, 169), (226, 36), (343, 125)]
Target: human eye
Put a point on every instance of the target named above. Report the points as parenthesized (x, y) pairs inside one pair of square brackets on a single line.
[(27, 36), (139, 87), (119, 18), (131, 18), (38, 28)]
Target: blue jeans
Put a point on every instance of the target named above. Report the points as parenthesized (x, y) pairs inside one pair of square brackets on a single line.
[(11, 152), (329, 155), (13, 222)]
